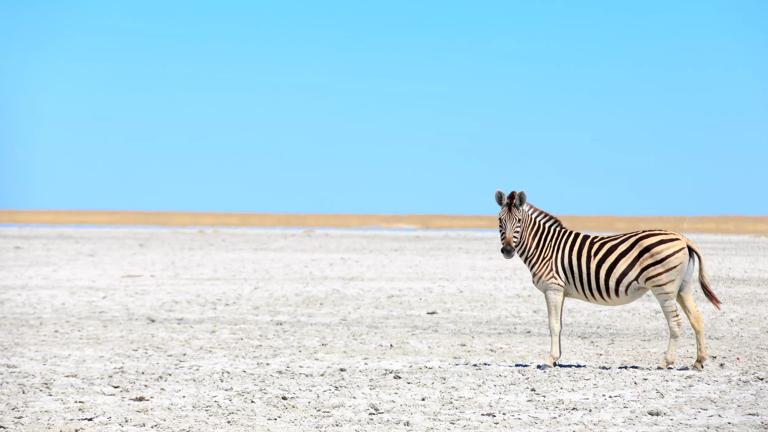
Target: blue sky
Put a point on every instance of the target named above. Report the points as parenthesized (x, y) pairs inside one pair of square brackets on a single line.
[(395, 107)]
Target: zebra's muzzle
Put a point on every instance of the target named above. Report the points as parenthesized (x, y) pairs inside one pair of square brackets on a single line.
[(508, 251)]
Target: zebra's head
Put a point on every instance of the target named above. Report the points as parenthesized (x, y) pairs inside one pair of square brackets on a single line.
[(510, 220)]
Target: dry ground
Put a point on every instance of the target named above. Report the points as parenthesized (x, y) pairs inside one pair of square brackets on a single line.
[(205, 329)]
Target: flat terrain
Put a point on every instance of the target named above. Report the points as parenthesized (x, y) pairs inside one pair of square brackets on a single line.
[(271, 329)]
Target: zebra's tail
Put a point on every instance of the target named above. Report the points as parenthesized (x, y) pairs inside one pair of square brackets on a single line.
[(708, 293)]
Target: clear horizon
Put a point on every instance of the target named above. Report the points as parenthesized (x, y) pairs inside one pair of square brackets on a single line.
[(592, 109), (299, 214)]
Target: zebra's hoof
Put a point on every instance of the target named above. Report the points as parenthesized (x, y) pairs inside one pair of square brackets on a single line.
[(664, 364), (698, 365), (550, 362)]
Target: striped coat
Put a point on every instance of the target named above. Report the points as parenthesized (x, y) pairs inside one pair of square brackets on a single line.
[(608, 270)]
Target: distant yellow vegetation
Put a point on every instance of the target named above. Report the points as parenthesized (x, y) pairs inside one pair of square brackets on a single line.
[(706, 224)]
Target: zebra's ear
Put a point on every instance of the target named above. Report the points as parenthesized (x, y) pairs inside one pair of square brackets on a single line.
[(520, 199), (500, 198)]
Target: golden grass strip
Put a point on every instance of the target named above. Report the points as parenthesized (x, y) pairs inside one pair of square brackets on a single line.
[(703, 224)]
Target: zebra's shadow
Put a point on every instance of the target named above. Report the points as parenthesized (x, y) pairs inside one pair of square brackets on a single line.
[(565, 366)]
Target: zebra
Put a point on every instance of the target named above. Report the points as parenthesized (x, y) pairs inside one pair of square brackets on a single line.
[(608, 270)]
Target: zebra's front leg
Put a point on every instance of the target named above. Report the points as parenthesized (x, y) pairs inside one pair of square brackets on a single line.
[(554, 296)]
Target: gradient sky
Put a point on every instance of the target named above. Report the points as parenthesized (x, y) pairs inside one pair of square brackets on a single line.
[(395, 107)]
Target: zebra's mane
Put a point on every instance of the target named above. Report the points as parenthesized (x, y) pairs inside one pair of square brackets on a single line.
[(542, 216)]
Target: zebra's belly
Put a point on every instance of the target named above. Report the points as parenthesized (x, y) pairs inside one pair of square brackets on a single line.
[(634, 292)]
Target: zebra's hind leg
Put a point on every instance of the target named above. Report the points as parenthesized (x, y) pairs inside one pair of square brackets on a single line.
[(685, 299), (666, 296)]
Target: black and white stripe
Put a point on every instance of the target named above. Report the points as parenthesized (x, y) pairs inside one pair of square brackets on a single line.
[(609, 270)]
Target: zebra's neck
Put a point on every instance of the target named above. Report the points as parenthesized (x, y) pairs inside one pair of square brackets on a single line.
[(539, 231)]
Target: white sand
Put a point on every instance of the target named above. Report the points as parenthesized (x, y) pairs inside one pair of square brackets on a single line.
[(329, 330)]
